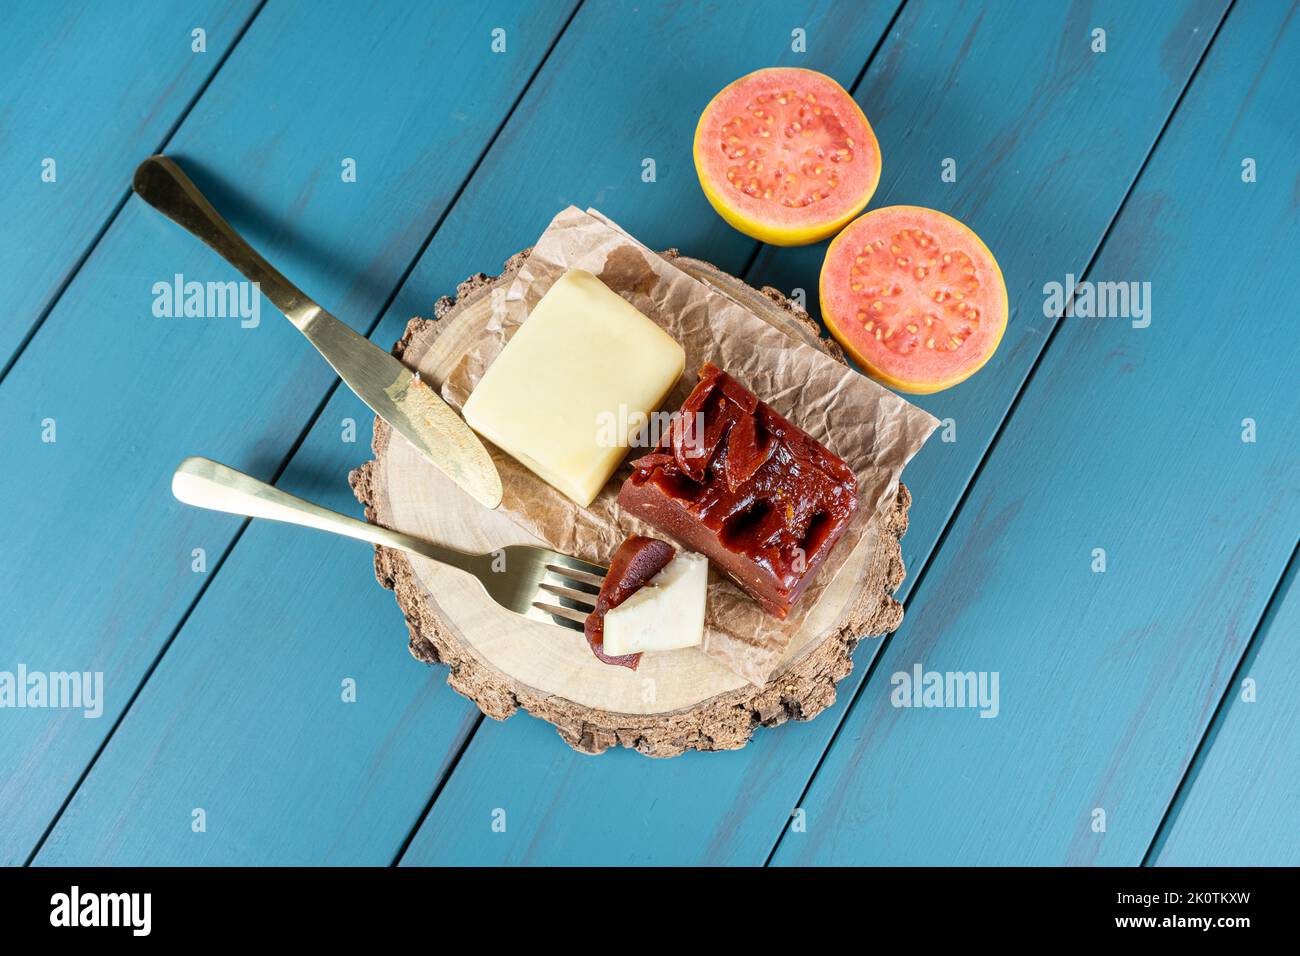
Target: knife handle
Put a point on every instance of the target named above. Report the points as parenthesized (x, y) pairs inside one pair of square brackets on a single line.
[(164, 185)]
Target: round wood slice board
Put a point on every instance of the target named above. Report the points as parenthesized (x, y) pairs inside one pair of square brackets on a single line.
[(676, 700)]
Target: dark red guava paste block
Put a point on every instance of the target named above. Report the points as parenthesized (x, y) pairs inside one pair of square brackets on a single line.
[(636, 561), (758, 496)]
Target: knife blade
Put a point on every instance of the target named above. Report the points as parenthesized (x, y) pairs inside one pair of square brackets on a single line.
[(409, 405)]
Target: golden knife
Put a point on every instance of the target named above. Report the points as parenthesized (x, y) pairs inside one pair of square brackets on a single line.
[(391, 390)]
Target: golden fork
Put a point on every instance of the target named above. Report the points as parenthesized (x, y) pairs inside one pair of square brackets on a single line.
[(538, 583)]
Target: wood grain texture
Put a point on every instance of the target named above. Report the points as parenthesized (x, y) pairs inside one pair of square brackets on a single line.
[(1003, 88), (94, 91), (133, 393), (1239, 804), (1134, 441), (207, 744), (504, 662)]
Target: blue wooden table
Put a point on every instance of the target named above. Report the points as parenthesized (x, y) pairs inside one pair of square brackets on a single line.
[(1107, 520)]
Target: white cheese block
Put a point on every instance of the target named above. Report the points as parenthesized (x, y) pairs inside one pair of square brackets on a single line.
[(665, 614), (574, 383)]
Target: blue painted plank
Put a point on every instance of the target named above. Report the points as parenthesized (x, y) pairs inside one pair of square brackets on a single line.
[(97, 567), (197, 727), (1002, 87), (1241, 806), (246, 718), (91, 87), (1131, 440), (633, 82)]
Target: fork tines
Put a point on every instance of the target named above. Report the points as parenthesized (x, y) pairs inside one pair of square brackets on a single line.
[(574, 585)]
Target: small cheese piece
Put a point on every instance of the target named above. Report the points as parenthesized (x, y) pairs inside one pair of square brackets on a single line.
[(574, 383), (666, 614)]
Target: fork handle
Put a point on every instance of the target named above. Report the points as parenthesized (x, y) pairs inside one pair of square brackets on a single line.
[(209, 484)]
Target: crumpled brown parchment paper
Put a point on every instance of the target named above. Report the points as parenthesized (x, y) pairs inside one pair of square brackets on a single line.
[(870, 427)]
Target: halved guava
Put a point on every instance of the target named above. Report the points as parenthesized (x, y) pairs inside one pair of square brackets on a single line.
[(915, 297), (786, 156)]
